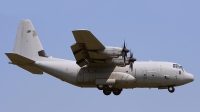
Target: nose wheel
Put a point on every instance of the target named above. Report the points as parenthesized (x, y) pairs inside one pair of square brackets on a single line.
[(171, 89)]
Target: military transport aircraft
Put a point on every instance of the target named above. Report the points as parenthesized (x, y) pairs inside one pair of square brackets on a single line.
[(97, 66)]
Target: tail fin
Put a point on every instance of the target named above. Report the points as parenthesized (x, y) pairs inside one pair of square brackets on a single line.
[(27, 43), (27, 48)]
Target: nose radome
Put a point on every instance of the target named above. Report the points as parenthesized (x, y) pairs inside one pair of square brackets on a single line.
[(189, 77)]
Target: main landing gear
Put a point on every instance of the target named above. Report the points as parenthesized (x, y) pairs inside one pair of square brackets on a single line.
[(107, 89), (171, 89)]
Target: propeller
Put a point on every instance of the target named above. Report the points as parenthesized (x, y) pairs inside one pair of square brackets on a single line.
[(131, 61), (124, 52)]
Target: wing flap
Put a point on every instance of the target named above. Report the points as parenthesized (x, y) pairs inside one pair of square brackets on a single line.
[(77, 52), (82, 62), (79, 55)]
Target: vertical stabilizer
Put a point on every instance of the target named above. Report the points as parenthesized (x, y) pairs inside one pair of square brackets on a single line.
[(27, 43)]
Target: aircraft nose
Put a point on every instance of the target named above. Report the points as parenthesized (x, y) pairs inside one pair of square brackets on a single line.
[(189, 78)]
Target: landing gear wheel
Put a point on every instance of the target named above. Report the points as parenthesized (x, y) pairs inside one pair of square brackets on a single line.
[(171, 89), (100, 87), (117, 91), (110, 86), (106, 92)]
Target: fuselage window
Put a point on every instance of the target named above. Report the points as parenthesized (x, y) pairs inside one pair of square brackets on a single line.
[(179, 72)]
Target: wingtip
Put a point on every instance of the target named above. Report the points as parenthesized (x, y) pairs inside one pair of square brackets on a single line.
[(80, 30)]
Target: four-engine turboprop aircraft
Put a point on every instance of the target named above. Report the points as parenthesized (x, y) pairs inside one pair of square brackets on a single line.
[(96, 66)]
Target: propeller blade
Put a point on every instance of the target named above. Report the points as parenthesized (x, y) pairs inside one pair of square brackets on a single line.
[(131, 61), (124, 52), (124, 45), (131, 55), (131, 66)]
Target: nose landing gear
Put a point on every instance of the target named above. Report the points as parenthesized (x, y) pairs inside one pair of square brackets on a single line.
[(171, 89)]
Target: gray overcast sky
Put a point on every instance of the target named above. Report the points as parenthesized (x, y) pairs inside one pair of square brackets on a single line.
[(158, 30)]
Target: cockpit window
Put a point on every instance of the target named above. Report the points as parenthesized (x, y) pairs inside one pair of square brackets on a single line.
[(178, 67), (174, 65), (182, 68)]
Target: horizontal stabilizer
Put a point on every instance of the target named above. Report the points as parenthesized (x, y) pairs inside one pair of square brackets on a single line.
[(18, 59), (31, 69), (24, 63)]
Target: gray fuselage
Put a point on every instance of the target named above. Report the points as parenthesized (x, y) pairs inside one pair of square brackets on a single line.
[(146, 74)]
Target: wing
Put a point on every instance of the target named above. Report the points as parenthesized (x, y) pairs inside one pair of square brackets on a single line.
[(87, 38), (86, 47)]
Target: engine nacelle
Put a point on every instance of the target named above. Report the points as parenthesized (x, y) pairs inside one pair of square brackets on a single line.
[(113, 52), (117, 61)]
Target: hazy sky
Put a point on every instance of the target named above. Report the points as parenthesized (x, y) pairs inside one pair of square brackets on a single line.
[(158, 30)]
